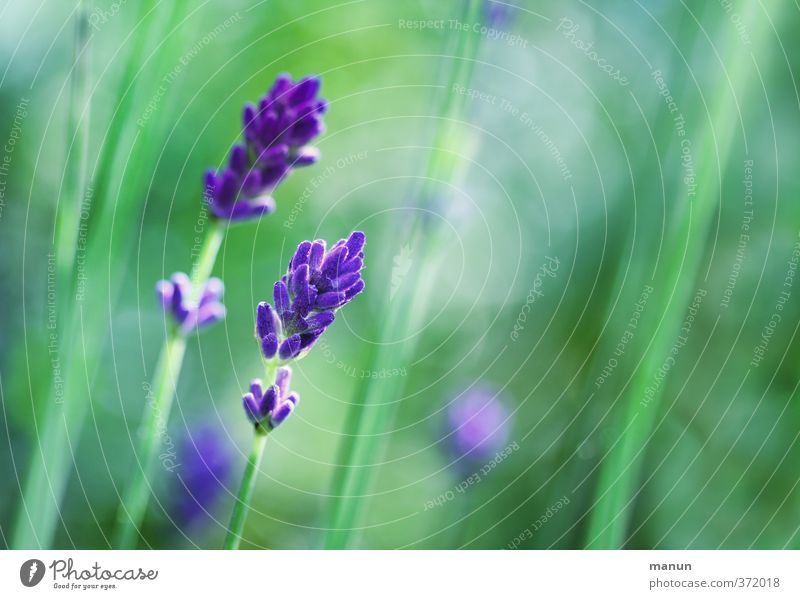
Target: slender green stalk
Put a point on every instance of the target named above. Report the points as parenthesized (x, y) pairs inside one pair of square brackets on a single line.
[(137, 494), (107, 245), (207, 257), (68, 213), (620, 471), (375, 401), (242, 505), (615, 304), (134, 503), (29, 531)]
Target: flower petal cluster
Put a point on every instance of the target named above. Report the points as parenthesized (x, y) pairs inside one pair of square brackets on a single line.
[(175, 295), (270, 407), (317, 283), (277, 134)]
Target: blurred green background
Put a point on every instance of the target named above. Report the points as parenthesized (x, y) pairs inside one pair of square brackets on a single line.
[(557, 157)]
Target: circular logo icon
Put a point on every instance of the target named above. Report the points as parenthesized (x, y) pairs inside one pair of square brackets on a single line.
[(31, 572)]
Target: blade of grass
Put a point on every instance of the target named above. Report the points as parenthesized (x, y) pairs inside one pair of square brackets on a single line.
[(619, 474), (88, 319), (68, 212), (634, 230), (375, 401)]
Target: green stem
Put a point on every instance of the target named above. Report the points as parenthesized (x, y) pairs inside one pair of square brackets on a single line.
[(30, 528), (620, 471), (375, 401), (134, 502), (137, 494), (207, 257), (242, 506)]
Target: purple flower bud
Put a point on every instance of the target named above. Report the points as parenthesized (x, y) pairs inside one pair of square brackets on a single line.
[(316, 254), (266, 321), (181, 288), (209, 314), (276, 134), (332, 299), (281, 413), (176, 295), (213, 291), (269, 346), (257, 389), (251, 407), (301, 255), (354, 291), (281, 297), (479, 425), (304, 91), (321, 320), (289, 348), (272, 406), (355, 243), (306, 156)]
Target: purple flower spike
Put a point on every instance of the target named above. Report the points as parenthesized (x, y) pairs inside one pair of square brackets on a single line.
[(316, 284), (269, 408), (479, 425), (175, 297), (276, 137)]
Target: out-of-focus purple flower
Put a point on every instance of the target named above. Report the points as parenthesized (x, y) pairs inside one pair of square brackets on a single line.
[(204, 469), (479, 424), (271, 406), (498, 14), (317, 283), (276, 137), (175, 296)]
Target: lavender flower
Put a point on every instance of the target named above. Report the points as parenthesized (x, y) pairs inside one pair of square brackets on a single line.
[(316, 284), (270, 406), (479, 423), (175, 297), (498, 14), (205, 468), (276, 138)]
